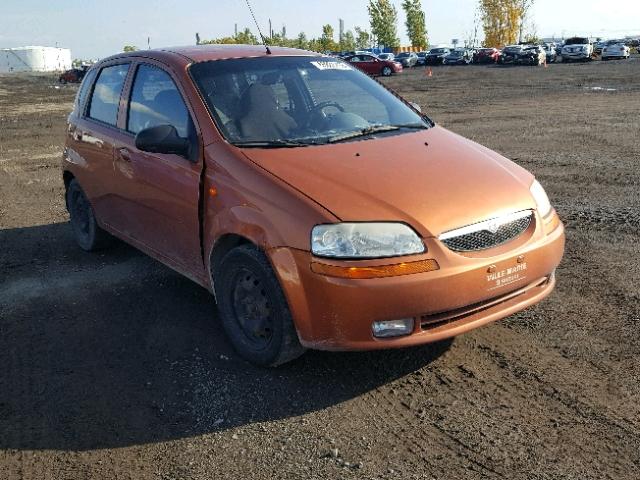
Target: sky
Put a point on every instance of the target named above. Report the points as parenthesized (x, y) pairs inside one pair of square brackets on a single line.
[(95, 29)]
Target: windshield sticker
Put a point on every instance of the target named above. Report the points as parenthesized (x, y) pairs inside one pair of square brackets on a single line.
[(331, 66)]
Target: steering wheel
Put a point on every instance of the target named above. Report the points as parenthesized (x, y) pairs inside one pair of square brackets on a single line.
[(317, 112)]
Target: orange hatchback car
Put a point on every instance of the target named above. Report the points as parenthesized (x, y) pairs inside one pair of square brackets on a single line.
[(321, 210)]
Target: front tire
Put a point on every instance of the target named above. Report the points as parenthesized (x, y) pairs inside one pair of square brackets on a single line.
[(386, 71), (253, 309), (88, 235)]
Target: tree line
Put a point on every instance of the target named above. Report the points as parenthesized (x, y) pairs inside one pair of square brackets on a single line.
[(503, 23), (383, 18)]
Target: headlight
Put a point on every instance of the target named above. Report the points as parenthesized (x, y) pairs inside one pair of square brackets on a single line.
[(541, 198), (365, 240)]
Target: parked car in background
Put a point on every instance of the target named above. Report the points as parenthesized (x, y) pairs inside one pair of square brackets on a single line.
[(374, 66), (422, 58), (509, 54), (599, 46), (531, 55), (459, 56), (435, 56), (75, 75), (322, 210), (559, 47), (407, 59), (352, 53), (486, 55), (616, 50), (577, 49), (389, 57), (550, 52)]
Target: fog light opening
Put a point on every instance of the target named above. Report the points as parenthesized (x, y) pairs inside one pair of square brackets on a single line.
[(393, 328)]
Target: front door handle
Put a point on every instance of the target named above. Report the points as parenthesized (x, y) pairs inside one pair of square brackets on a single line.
[(125, 154)]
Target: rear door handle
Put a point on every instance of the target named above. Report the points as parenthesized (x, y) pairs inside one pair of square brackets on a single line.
[(125, 154)]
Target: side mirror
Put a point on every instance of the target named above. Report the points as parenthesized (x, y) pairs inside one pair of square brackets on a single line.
[(162, 139), (416, 106)]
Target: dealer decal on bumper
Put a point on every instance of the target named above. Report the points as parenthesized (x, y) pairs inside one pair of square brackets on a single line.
[(502, 278)]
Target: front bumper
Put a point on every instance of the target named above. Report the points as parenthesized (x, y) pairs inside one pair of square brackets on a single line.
[(576, 55), (337, 314)]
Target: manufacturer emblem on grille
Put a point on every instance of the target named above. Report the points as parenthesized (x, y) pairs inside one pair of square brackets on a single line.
[(493, 226)]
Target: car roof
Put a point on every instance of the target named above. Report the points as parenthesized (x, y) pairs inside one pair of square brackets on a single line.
[(203, 53)]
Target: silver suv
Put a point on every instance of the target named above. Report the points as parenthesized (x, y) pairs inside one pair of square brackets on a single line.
[(577, 48)]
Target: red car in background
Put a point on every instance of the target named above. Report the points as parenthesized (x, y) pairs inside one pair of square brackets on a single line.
[(486, 55), (75, 75), (375, 66)]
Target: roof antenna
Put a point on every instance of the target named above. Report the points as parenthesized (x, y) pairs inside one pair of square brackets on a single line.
[(264, 40)]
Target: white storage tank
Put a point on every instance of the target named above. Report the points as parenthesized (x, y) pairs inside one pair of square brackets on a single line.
[(34, 59)]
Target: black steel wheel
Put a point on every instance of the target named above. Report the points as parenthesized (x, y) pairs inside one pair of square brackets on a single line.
[(253, 308), (88, 235)]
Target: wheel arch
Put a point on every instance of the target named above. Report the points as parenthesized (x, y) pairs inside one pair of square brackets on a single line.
[(223, 245), (67, 177)]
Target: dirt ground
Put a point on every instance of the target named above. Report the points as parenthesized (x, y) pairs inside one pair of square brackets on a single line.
[(112, 366)]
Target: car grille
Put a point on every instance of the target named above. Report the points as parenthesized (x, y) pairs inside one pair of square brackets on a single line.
[(488, 234)]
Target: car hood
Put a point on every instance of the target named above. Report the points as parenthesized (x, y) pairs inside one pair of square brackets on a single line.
[(433, 180)]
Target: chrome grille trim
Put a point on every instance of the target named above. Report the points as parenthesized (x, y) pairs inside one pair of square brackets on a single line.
[(489, 233)]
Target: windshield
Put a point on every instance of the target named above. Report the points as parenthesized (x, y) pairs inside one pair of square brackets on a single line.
[(294, 101), (577, 41), (438, 50), (403, 55)]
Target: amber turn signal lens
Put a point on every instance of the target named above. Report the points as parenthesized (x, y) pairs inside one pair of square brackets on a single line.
[(213, 191), (381, 271)]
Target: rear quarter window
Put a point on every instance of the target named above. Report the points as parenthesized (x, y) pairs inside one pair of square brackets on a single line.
[(85, 87)]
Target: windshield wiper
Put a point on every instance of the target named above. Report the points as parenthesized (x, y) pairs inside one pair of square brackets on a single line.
[(279, 143), (376, 129)]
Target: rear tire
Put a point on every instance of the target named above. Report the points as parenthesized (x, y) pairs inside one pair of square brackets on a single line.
[(88, 235), (254, 310)]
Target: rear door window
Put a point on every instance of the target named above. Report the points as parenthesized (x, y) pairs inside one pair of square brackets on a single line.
[(106, 94), (155, 100)]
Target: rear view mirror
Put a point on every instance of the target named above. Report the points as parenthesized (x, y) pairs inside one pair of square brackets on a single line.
[(162, 139)]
